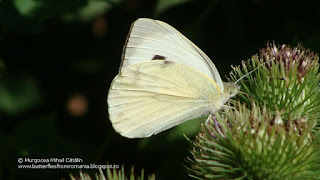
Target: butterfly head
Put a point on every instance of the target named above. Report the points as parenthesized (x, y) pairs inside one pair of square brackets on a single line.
[(230, 89)]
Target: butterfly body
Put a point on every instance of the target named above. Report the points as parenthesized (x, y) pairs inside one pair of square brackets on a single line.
[(164, 80)]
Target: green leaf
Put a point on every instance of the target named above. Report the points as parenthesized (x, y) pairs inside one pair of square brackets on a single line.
[(189, 128)]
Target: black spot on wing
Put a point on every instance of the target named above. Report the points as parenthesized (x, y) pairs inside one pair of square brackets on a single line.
[(159, 57)]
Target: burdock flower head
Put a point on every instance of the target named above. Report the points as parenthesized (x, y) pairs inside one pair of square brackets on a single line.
[(271, 131), (298, 56), (286, 80), (253, 144)]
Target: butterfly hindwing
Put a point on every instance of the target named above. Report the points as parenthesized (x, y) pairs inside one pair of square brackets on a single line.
[(150, 97)]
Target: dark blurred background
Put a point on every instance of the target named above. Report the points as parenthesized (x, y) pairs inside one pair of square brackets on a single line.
[(58, 58)]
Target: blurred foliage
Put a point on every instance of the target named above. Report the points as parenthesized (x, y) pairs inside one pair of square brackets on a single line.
[(163, 5), (83, 10), (23, 13), (2, 67), (18, 95), (52, 50)]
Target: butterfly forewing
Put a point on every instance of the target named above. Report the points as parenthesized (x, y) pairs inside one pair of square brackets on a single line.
[(151, 39)]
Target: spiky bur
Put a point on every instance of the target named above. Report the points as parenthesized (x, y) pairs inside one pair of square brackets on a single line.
[(271, 133), (253, 144), (113, 175), (288, 84)]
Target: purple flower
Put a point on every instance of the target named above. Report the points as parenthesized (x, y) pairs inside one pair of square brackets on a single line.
[(299, 56)]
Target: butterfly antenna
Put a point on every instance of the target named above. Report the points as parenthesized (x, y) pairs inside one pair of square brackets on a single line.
[(253, 70)]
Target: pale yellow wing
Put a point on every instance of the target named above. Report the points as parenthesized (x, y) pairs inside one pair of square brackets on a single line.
[(150, 97), (153, 39)]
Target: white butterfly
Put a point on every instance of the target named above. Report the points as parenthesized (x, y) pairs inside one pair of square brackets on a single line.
[(164, 80)]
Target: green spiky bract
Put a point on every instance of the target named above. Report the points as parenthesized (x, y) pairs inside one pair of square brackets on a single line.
[(288, 83), (113, 175), (271, 131)]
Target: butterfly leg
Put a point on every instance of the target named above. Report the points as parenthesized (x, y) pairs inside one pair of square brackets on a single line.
[(207, 122)]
